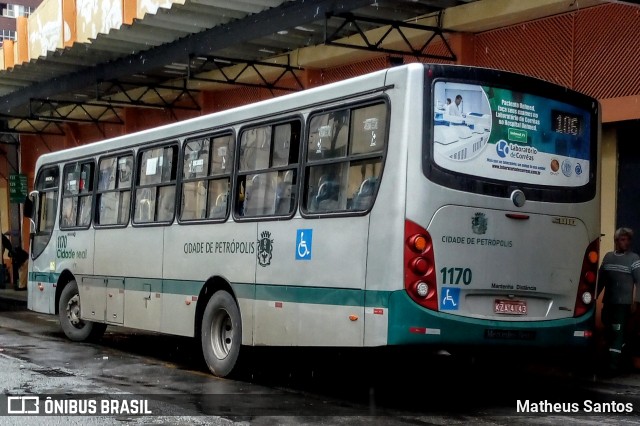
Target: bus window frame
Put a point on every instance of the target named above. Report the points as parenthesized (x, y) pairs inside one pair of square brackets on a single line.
[(231, 175), (348, 159), (56, 219), (175, 141), (101, 157), (81, 162), (273, 122), (483, 186)]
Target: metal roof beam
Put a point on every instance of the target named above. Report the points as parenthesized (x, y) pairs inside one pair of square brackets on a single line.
[(205, 43), (21, 125), (68, 111), (240, 72), (361, 40), (135, 96)]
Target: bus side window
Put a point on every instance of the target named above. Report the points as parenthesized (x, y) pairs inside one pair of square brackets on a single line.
[(146, 205), (363, 183), (206, 175), (285, 193), (77, 197), (166, 203), (363, 198), (266, 183), (260, 195), (218, 197), (156, 186), (328, 194), (344, 176), (69, 211), (114, 190)]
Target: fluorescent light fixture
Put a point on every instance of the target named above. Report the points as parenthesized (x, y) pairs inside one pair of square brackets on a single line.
[(176, 66)]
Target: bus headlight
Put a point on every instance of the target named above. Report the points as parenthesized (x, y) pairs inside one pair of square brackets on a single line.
[(586, 298), (422, 289)]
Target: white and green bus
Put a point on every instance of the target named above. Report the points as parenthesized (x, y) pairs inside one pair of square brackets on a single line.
[(420, 205)]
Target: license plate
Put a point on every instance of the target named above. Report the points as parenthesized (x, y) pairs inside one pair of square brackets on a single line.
[(510, 307)]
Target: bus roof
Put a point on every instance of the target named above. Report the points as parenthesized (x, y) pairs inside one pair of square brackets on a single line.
[(263, 109)]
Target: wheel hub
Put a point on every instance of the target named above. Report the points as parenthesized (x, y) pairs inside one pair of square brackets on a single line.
[(221, 334), (73, 311)]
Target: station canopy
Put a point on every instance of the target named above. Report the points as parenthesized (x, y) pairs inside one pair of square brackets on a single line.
[(164, 60)]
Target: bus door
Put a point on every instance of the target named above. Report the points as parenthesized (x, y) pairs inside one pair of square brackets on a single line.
[(44, 206)]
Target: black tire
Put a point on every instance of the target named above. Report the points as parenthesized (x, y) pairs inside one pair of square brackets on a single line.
[(221, 334), (69, 315)]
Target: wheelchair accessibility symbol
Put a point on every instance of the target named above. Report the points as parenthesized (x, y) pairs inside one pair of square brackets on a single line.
[(304, 239), (450, 299)]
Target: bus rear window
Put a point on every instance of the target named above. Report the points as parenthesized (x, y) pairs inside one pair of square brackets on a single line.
[(510, 136)]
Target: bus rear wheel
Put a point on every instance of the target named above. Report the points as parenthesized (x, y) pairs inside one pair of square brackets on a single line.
[(221, 333), (75, 328)]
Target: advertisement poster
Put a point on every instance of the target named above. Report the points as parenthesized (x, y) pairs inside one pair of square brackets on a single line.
[(511, 136)]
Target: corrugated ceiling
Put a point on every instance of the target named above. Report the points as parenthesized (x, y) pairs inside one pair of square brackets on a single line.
[(155, 50)]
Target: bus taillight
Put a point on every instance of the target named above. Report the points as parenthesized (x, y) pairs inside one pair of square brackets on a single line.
[(587, 285), (419, 266)]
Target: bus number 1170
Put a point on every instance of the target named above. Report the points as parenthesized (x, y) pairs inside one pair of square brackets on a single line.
[(456, 275)]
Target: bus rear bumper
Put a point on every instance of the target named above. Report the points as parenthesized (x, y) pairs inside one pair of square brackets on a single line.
[(411, 324)]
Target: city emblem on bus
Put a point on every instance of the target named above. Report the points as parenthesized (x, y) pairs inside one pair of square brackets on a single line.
[(479, 223), (265, 248)]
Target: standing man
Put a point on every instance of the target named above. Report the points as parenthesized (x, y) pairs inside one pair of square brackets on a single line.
[(454, 108), (619, 275)]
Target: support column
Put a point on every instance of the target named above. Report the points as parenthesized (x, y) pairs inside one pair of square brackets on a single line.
[(462, 45), (14, 220), (22, 35), (311, 77), (9, 54)]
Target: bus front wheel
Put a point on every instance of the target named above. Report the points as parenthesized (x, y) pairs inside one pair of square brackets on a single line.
[(75, 328), (221, 333)]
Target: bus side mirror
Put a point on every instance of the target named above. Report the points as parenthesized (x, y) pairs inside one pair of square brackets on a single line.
[(31, 209)]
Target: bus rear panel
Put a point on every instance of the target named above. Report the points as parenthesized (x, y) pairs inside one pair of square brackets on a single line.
[(502, 214)]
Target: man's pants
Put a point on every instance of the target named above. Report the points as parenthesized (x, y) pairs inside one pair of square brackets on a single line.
[(615, 318)]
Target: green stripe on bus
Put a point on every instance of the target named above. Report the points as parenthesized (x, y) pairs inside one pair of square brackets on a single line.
[(48, 277), (323, 295), (376, 298), (405, 316), (319, 295), (265, 292), (244, 290), (180, 287)]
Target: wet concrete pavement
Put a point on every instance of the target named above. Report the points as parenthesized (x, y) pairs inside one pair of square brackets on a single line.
[(295, 386)]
